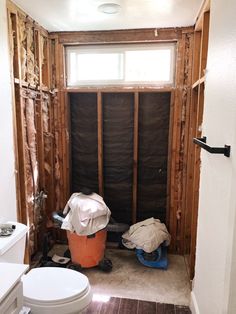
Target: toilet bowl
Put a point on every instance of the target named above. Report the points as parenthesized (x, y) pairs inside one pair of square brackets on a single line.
[(46, 290), (54, 290)]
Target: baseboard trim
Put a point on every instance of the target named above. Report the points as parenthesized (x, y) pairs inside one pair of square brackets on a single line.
[(193, 304)]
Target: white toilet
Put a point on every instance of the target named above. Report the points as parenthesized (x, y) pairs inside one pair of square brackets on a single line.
[(47, 290)]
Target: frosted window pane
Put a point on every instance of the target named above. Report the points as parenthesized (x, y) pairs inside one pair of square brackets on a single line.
[(99, 66), (149, 65), (72, 66)]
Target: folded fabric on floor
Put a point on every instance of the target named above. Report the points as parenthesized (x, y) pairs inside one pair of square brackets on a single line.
[(85, 214), (147, 235)]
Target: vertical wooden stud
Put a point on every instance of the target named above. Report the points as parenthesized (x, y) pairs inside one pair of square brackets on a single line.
[(60, 127), (174, 179), (169, 159), (196, 60), (204, 43), (135, 158), (186, 102), (100, 144), (40, 142)]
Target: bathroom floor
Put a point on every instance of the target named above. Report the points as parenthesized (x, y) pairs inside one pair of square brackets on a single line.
[(128, 306), (130, 279)]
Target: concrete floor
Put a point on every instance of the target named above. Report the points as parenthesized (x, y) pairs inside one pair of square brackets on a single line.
[(130, 279)]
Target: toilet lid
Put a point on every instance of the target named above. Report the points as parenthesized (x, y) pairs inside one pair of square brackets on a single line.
[(54, 285)]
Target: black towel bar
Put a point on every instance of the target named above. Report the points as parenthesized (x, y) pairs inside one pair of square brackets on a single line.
[(213, 150)]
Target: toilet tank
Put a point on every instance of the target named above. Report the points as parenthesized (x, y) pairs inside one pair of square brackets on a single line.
[(12, 248)]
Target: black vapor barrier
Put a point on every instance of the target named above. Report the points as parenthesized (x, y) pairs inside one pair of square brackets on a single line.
[(118, 121), (118, 141), (84, 141), (154, 112)]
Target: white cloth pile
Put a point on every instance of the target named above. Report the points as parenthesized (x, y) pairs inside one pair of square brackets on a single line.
[(85, 214), (147, 235)]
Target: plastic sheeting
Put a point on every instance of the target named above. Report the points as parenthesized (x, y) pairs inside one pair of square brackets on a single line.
[(154, 111), (118, 137), (84, 147), (118, 112)]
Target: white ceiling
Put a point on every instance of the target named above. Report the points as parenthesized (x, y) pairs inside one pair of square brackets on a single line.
[(82, 15)]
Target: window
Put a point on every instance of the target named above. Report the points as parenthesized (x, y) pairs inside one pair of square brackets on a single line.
[(120, 64)]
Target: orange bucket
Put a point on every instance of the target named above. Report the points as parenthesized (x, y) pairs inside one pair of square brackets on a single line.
[(87, 251)]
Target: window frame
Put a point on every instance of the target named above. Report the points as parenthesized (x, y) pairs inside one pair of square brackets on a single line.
[(114, 48)]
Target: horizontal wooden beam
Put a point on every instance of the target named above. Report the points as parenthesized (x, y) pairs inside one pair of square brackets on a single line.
[(120, 89), (121, 36)]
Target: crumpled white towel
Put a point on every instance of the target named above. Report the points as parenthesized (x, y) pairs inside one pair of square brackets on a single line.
[(86, 214), (147, 235)]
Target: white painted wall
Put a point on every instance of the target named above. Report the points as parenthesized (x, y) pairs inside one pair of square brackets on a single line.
[(215, 277), (7, 174)]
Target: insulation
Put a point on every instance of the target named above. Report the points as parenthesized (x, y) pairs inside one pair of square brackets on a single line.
[(154, 111), (23, 49), (41, 50), (46, 129), (29, 67), (12, 37), (118, 113), (31, 164), (57, 174), (57, 152), (35, 204), (32, 68), (43, 46), (47, 138), (48, 141), (84, 141)]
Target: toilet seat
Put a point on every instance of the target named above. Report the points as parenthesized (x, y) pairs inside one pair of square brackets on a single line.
[(56, 290)]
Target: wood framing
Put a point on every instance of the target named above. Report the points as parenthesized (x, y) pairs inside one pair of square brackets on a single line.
[(179, 142), (195, 121), (121, 36), (205, 7), (29, 45), (204, 43), (179, 108), (42, 70)]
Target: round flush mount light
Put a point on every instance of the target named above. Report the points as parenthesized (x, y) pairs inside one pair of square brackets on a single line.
[(111, 7)]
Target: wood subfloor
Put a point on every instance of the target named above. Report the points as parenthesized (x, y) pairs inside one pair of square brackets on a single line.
[(128, 306)]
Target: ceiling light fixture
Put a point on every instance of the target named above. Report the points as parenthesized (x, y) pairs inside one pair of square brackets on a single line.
[(110, 7)]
